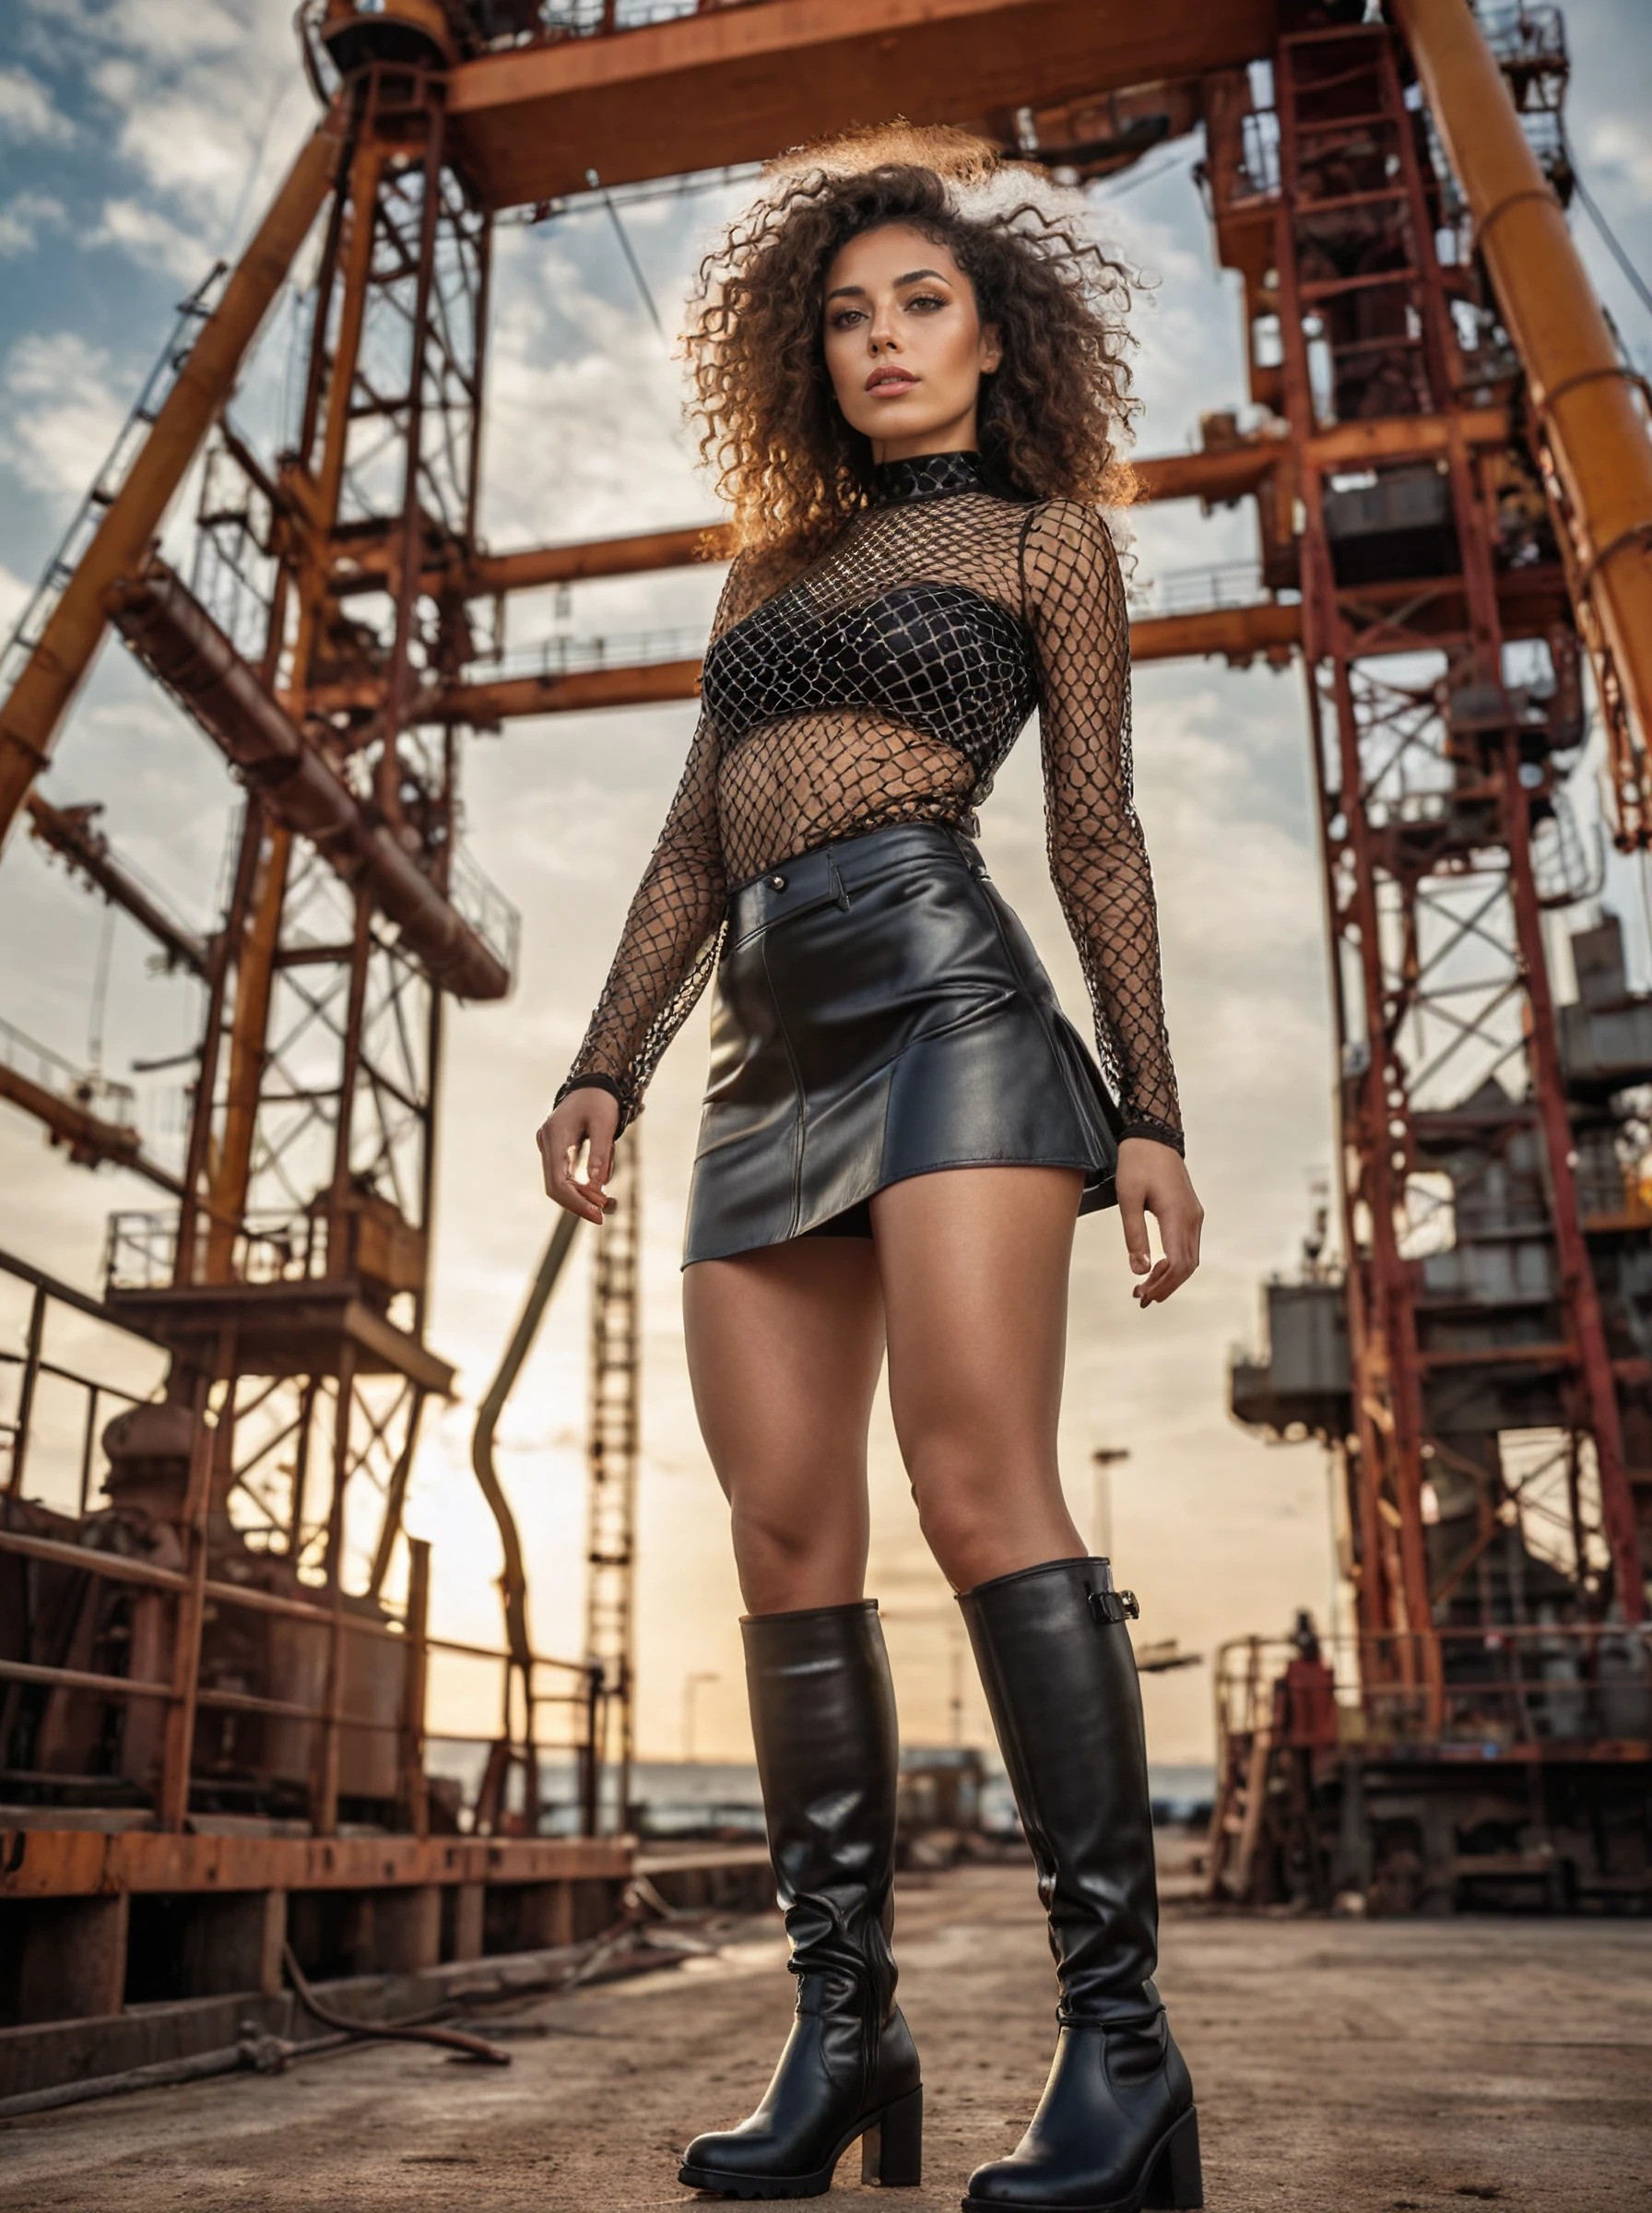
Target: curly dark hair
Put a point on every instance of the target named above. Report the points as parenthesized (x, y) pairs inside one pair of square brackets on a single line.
[(1051, 417)]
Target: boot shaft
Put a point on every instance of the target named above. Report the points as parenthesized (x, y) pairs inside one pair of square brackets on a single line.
[(1061, 1683), (823, 1722)]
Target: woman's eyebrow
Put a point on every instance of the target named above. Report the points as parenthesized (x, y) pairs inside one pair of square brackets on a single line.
[(859, 292)]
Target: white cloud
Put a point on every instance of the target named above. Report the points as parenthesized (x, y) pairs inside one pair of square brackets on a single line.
[(1616, 142), (149, 235), (583, 413), (28, 112), (14, 595), (24, 216), (198, 103), (61, 414), (195, 149), (157, 30)]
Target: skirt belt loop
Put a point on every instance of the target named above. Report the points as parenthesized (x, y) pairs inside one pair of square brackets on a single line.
[(836, 882)]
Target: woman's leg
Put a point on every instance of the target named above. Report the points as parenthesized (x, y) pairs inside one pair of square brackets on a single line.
[(784, 1349), (974, 1264), (974, 1268)]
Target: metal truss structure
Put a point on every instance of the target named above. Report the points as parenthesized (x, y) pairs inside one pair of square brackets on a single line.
[(1452, 480), (610, 1552)]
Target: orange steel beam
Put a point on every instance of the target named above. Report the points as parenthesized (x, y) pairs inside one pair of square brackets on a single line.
[(1213, 473), (72, 832), (1239, 634), (175, 637), (45, 1863), (31, 714), (1226, 473), (650, 684), (1268, 629), (536, 565), (91, 1140), (1584, 398), (1354, 445), (228, 1163), (734, 84)]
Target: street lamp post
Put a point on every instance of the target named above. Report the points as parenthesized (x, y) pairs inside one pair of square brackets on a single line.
[(1102, 1461)]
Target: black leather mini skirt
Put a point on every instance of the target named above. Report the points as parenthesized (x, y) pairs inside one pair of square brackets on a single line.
[(880, 1012)]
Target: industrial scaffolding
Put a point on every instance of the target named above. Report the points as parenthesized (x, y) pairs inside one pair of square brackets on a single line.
[(1452, 480)]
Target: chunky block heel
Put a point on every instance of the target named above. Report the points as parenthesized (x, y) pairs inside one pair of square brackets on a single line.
[(891, 2151), (1176, 2184)]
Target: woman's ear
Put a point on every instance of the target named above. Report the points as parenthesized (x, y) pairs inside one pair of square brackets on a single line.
[(992, 349)]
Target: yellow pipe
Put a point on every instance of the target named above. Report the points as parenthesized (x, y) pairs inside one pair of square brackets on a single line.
[(31, 716), (1583, 397)]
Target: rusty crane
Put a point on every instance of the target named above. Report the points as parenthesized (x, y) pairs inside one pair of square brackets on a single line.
[(1452, 482)]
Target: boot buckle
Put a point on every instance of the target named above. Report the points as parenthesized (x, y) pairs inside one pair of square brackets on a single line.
[(1106, 1606)]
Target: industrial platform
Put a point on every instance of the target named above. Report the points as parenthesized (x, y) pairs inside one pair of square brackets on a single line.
[(1341, 2065)]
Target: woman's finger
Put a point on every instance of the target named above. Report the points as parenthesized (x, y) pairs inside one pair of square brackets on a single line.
[(599, 1167), (547, 1160), (599, 1162), (559, 1151), (1132, 1216)]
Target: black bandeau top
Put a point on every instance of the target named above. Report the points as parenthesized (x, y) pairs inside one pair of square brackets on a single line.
[(941, 658), (884, 683)]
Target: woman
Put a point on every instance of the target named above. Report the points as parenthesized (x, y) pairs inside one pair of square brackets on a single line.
[(909, 371)]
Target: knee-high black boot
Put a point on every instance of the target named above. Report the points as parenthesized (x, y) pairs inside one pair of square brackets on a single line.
[(823, 1715), (1115, 2129)]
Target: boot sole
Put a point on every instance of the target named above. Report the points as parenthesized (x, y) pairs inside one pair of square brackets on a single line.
[(1171, 2180), (892, 2154)]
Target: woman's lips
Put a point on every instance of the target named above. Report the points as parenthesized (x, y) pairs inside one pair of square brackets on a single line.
[(890, 380)]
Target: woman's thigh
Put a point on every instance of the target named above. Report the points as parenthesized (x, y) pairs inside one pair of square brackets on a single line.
[(784, 1349), (975, 1265)]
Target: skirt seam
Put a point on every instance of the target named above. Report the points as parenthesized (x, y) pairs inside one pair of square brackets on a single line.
[(837, 1098), (798, 1088)]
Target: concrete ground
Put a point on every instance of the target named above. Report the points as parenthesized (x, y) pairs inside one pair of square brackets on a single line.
[(1342, 2067)]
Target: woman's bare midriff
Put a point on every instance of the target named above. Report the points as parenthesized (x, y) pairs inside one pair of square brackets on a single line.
[(794, 784)]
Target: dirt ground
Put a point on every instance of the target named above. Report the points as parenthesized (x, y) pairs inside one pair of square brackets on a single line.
[(1342, 2067)]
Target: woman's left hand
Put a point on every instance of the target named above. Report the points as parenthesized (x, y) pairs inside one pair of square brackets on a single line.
[(1153, 1179)]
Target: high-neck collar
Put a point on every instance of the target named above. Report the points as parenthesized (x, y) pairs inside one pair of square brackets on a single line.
[(925, 476)]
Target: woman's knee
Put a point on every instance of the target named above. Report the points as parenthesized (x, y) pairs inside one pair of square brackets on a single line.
[(790, 1555), (983, 1514), (960, 1498)]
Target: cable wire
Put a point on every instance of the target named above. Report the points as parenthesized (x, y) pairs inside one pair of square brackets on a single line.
[(1614, 246), (635, 267)]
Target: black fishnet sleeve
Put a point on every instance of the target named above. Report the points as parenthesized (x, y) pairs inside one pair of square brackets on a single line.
[(670, 944), (1075, 604)]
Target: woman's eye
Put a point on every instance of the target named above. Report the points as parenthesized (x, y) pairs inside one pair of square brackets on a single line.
[(926, 300), (845, 317)]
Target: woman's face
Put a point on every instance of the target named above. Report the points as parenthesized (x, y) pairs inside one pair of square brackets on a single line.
[(905, 346)]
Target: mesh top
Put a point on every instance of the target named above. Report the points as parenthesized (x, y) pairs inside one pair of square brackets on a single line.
[(885, 683)]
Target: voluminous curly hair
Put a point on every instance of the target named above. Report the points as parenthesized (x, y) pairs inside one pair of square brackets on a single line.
[(1051, 418)]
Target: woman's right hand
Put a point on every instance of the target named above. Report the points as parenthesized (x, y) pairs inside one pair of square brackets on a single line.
[(586, 1117)]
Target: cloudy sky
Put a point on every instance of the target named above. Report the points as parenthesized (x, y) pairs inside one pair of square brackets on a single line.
[(138, 143)]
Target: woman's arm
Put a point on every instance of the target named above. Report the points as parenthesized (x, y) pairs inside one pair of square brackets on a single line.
[(1075, 601), (667, 947), (666, 952)]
